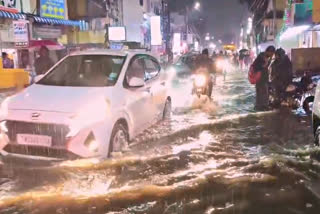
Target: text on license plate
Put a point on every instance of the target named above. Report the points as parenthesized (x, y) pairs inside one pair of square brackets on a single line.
[(35, 140)]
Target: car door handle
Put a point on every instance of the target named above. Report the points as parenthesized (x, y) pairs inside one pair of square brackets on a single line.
[(163, 83)]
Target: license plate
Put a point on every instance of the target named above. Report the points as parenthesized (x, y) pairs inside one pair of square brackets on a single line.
[(34, 140)]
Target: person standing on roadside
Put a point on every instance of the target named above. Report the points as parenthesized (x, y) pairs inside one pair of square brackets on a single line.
[(6, 61), (260, 64), (281, 75), (43, 63), (270, 51)]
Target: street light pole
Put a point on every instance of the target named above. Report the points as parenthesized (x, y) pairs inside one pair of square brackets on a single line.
[(186, 19)]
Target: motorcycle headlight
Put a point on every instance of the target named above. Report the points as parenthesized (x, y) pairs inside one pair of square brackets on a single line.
[(200, 80), (221, 64)]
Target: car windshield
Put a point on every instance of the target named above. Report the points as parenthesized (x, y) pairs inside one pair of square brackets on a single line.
[(85, 71)]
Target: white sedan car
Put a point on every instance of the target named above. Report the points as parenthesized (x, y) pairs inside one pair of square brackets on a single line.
[(90, 104)]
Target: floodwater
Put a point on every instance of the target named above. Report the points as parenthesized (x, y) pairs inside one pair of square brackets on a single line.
[(212, 157)]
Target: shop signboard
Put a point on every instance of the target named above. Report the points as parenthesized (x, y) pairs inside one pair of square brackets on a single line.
[(117, 33), (303, 13), (156, 35), (190, 39), (116, 46), (46, 32), (53, 9), (21, 33), (316, 11), (9, 6)]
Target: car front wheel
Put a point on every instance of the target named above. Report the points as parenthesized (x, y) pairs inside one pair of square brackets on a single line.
[(317, 137), (119, 141), (308, 105)]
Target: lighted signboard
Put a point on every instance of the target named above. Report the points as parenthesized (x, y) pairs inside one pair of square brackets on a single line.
[(53, 9), (303, 13), (117, 33), (156, 36), (176, 43)]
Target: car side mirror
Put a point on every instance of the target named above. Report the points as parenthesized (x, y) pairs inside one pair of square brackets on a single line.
[(38, 77), (136, 82)]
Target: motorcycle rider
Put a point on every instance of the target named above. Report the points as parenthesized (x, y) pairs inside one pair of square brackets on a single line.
[(204, 63)]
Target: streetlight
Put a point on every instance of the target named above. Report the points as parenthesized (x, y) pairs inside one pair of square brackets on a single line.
[(212, 45), (197, 6)]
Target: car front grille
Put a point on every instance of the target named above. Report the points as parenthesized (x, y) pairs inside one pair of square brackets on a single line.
[(40, 151), (58, 133)]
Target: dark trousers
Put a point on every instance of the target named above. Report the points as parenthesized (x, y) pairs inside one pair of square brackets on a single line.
[(262, 96)]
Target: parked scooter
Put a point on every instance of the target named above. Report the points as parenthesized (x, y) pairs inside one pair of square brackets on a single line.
[(300, 93)]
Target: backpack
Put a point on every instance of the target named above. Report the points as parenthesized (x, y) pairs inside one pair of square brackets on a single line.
[(253, 76)]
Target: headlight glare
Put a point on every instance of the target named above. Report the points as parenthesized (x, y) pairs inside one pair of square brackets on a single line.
[(200, 80)]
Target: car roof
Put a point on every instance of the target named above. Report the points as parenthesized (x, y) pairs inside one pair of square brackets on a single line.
[(110, 52)]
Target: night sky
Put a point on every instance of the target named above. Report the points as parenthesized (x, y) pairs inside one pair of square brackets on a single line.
[(224, 18)]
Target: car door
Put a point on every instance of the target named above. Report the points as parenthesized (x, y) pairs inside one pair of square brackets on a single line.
[(139, 98), (157, 85)]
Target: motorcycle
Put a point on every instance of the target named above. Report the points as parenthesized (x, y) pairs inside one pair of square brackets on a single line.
[(297, 95), (202, 84)]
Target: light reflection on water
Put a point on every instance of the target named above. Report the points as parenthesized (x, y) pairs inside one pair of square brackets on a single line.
[(212, 157)]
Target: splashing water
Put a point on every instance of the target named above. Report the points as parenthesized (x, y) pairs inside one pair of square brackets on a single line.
[(213, 156)]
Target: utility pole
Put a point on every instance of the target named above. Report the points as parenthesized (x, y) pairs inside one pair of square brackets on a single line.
[(166, 24), (21, 5), (274, 18)]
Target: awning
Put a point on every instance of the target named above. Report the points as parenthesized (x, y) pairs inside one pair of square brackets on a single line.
[(48, 21), (8, 15), (51, 45)]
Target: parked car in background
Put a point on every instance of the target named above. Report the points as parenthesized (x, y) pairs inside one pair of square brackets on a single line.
[(183, 68), (90, 104)]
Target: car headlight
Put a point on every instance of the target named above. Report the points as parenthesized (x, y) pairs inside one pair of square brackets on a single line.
[(91, 114), (200, 80), (4, 109), (3, 127)]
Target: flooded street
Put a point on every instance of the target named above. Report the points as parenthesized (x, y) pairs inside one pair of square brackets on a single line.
[(212, 157)]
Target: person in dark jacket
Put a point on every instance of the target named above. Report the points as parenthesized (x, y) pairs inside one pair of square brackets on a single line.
[(44, 62), (203, 60), (281, 75), (260, 64)]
